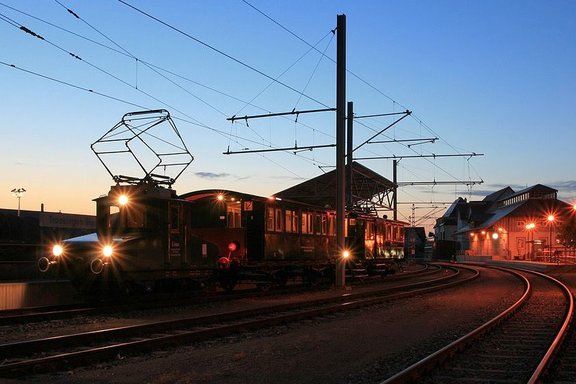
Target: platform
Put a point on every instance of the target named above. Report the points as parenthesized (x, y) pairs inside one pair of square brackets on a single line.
[(25, 294)]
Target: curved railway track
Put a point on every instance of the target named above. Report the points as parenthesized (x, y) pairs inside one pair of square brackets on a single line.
[(71, 350), (515, 347)]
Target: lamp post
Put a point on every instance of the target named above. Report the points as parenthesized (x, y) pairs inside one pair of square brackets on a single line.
[(551, 219), (18, 192)]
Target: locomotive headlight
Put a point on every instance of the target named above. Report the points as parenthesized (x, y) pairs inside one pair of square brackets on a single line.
[(57, 250), (123, 200), (107, 251)]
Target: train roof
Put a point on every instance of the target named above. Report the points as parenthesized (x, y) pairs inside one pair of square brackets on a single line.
[(235, 195), (204, 193), (367, 186)]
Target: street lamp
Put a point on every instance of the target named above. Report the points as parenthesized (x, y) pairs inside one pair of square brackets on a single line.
[(551, 219), (18, 192)]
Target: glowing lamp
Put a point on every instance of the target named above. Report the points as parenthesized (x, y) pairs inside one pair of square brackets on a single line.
[(123, 200), (57, 250), (107, 251), (551, 218), (232, 246), (495, 236), (346, 254)]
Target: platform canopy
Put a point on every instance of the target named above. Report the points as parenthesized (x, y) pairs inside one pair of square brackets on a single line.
[(370, 191)]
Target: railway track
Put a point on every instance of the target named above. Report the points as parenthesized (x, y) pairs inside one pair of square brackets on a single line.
[(517, 346), (143, 302), (66, 351)]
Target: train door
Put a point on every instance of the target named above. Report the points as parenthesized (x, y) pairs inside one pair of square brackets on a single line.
[(176, 236), (253, 217), (355, 237)]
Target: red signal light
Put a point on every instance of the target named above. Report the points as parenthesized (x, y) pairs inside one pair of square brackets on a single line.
[(233, 246)]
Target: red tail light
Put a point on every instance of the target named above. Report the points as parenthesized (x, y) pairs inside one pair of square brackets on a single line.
[(233, 246)]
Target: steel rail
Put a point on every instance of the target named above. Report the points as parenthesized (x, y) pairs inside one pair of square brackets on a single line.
[(244, 321), (52, 312), (560, 336), (420, 368)]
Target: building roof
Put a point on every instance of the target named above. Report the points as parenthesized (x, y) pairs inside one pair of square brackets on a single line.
[(505, 202), (499, 195), (367, 186)]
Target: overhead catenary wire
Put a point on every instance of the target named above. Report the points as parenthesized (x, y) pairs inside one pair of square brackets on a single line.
[(126, 53), (187, 118), (73, 85), (238, 137), (356, 76), (76, 15), (77, 57), (238, 61)]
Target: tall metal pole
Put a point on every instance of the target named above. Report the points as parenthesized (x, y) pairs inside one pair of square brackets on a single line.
[(340, 149), (395, 180), (349, 152)]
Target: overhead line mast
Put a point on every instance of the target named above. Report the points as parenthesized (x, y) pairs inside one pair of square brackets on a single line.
[(340, 145), (341, 148)]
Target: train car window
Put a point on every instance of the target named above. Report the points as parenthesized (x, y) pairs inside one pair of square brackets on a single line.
[(114, 221), (113, 217), (279, 220), (289, 218), (234, 215), (133, 217), (332, 225), (270, 219), (307, 227), (318, 224), (370, 231)]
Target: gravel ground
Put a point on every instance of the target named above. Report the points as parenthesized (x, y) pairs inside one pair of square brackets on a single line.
[(363, 346)]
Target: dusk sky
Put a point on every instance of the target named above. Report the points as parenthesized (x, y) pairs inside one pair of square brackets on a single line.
[(489, 77)]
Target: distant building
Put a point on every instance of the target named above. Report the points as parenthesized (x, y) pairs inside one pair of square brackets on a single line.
[(414, 242), (506, 224)]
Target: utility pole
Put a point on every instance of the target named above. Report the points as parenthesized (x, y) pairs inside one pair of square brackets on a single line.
[(341, 149)]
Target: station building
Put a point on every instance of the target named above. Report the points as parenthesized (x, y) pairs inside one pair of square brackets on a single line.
[(507, 225)]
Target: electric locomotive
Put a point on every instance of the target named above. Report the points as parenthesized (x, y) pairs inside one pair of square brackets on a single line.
[(141, 243), (148, 237)]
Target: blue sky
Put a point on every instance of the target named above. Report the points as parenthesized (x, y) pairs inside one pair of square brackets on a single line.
[(490, 77)]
